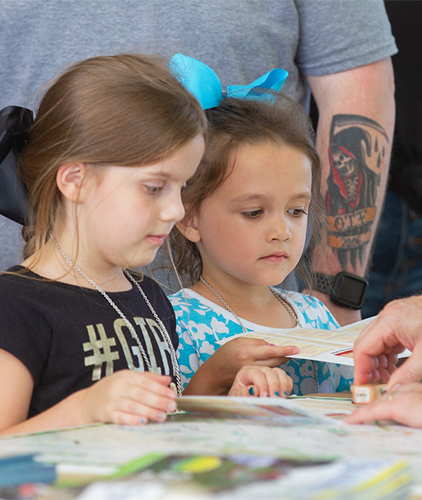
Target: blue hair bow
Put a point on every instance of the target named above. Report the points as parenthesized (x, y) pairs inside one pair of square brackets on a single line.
[(205, 85)]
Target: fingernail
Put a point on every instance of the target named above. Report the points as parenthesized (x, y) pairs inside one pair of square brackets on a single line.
[(277, 394), (161, 416), (395, 388), (142, 420), (295, 350), (285, 394), (171, 406), (252, 391)]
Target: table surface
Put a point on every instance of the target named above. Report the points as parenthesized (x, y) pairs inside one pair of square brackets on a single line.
[(91, 451)]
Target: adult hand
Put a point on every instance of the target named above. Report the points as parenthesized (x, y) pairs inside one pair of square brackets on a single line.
[(261, 381), (128, 397), (398, 326), (403, 405)]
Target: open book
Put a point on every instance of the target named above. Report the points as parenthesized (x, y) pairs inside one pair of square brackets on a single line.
[(331, 346)]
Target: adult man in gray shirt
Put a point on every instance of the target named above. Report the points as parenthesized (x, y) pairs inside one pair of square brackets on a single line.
[(340, 49)]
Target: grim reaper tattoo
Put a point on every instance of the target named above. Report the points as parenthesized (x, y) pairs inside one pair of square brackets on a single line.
[(357, 147)]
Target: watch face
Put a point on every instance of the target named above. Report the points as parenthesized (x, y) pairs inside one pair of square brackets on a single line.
[(350, 291)]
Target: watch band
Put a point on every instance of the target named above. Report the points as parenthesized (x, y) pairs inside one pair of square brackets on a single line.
[(324, 283), (344, 289)]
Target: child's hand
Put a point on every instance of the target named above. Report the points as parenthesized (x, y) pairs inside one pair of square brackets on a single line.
[(128, 397), (261, 381), (248, 351), (216, 376), (240, 352)]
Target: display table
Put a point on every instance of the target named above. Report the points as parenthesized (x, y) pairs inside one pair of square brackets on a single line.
[(92, 454)]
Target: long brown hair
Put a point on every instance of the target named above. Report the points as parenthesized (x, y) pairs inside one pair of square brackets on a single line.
[(233, 123), (121, 110)]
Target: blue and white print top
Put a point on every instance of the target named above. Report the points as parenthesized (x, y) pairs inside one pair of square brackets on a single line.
[(201, 324)]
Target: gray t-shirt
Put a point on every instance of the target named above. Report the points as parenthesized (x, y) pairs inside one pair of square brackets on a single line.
[(240, 40)]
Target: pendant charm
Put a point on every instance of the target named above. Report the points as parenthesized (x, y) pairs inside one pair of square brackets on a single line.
[(174, 388)]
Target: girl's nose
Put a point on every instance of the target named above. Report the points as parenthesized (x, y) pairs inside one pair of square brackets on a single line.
[(173, 210), (279, 229)]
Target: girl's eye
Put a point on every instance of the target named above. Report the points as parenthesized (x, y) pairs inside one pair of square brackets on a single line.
[(153, 189), (253, 214), (297, 212)]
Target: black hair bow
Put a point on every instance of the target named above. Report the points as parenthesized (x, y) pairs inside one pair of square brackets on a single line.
[(14, 127)]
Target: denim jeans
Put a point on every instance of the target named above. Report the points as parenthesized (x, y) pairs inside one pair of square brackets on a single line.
[(396, 269)]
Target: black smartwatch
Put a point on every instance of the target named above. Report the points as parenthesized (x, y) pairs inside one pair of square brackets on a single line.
[(345, 289)]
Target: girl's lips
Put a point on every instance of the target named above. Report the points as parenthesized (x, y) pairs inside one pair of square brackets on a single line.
[(157, 239), (275, 257)]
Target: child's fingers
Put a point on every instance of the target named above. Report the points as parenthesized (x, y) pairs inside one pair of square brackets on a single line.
[(152, 382), (143, 397), (271, 355), (243, 391), (132, 413), (285, 383), (256, 377), (129, 397), (261, 381), (145, 391), (162, 379), (264, 381), (139, 405), (273, 382)]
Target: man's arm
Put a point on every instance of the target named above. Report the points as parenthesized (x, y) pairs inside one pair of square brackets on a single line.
[(355, 129)]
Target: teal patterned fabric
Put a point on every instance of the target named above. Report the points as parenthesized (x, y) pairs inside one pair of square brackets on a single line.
[(201, 324)]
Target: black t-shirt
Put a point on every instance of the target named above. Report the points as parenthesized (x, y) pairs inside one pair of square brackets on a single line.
[(69, 337), (406, 159)]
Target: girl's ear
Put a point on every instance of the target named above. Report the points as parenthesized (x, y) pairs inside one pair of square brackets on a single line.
[(69, 179), (189, 228)]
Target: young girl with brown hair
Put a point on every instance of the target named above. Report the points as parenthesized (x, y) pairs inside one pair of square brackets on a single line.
[(82, 339), (248, 208)]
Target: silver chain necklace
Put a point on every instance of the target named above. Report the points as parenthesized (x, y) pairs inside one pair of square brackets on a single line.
[(177, 389), (283, 302)]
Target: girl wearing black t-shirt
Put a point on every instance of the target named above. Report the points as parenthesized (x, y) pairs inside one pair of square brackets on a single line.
[(82, 339)]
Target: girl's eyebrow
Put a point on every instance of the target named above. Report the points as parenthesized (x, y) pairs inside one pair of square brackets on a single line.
[(248, 197), (307, 195), (257, 197), (161, 174)]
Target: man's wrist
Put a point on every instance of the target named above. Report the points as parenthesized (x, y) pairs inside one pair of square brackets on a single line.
[(344, 289)]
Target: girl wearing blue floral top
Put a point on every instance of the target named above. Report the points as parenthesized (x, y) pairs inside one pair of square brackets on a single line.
[(248, 208)]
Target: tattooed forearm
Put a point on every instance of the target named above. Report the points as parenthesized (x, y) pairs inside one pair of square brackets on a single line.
[(357, 147)]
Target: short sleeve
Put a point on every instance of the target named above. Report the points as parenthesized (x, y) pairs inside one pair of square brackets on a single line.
[(25, 336), (340, 35)]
